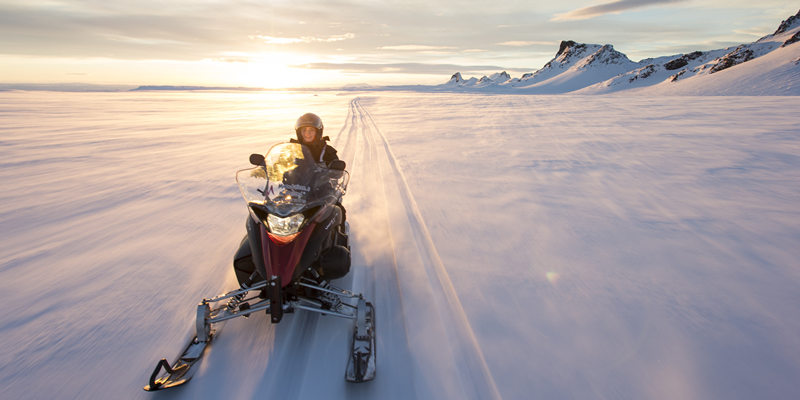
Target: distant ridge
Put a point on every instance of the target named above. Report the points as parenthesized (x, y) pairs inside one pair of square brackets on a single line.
[(176, 88), (596, 69), (63, 87)]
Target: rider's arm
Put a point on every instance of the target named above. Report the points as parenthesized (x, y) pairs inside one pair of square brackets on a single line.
[(330, 155)]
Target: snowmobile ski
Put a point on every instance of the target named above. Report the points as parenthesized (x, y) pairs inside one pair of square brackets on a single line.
[(166, 375), (180, 371), (361, 363)]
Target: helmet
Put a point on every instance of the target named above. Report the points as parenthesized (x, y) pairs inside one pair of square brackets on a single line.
[(309, 119)]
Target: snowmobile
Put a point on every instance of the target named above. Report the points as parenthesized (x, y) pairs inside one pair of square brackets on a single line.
[(296, 243)]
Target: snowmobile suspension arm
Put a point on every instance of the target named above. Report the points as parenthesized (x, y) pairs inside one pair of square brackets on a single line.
[(234, 293), (323, 311), (336, 291), (232, 310), (260, 306)]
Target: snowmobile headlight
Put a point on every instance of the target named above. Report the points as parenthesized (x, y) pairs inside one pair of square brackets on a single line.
[(285, 226)]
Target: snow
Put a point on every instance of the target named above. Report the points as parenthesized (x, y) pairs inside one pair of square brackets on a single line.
[(514, 246), (776, 73), (769, 66), (774, 70)]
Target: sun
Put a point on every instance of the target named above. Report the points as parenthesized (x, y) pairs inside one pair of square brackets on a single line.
[(273, 71)]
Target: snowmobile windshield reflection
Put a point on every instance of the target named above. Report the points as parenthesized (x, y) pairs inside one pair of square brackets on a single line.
[(290, 181)]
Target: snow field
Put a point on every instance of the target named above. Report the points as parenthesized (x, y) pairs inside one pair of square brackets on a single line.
[(514, 246), (614, 246), (119, 212)]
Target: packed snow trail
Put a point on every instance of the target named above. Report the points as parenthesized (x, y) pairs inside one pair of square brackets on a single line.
[(437, 332)]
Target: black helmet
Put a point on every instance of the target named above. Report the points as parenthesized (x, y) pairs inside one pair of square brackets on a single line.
[(309, 119)]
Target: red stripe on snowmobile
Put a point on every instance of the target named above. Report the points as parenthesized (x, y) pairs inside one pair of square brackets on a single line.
[(281, 259)]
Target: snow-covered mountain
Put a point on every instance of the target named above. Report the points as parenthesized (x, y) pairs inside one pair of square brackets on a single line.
[(575, 66), (495, 79), (593, 68)]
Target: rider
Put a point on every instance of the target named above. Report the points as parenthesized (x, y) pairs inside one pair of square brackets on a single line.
[(309, 133)]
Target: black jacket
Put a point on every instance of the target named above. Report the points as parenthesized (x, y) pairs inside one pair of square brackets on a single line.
[(320, 150)]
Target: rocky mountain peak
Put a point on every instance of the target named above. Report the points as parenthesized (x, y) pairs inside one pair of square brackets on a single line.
[(500, 76), (568, 50), (605, 55), (565, 44), (789, 23)]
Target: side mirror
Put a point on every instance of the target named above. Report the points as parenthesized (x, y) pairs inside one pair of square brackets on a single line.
[(338, 165), (257, 160)]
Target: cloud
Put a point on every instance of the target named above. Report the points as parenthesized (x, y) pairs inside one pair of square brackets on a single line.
[(613, 7), (303, 39), (523, 43), (751, 32), (149, 30), (415, 47), (409, 68)]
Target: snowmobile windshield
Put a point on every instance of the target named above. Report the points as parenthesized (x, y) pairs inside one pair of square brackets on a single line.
[(291, 181)]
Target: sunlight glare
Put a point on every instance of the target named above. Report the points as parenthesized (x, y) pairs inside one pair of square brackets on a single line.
[(275, 71)]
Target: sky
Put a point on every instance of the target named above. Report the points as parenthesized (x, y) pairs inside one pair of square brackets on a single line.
[(286, 44)]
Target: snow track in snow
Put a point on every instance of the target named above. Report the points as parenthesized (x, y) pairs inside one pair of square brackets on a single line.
[(437, 331)]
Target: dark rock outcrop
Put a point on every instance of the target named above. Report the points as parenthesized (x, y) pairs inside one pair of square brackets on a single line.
[(644, 72), (795, 38), (679, 62), (738, 56), (788, 23), (675, 77), (564, 45), (682, 61)]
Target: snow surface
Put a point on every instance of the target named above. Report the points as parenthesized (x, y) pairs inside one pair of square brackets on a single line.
[(775, 73), (514, 246)]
